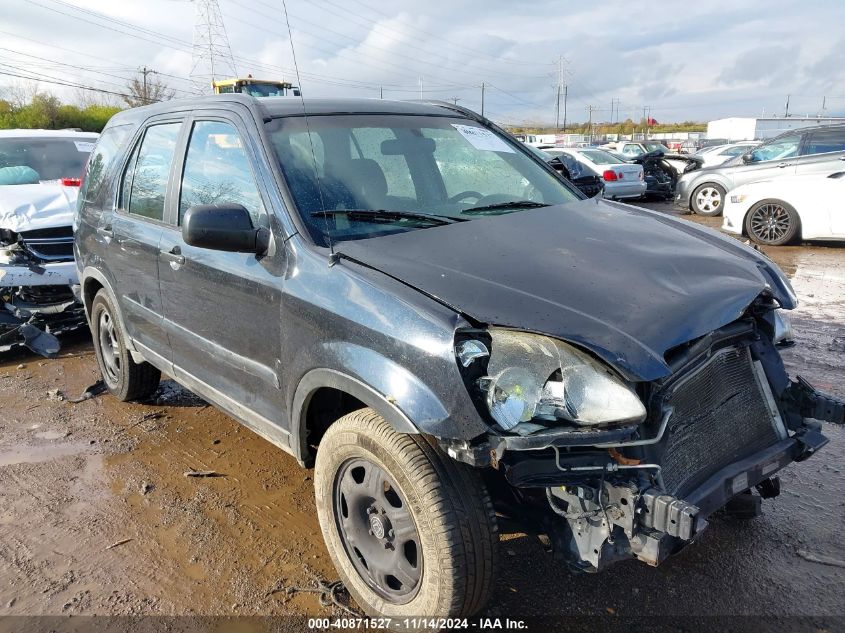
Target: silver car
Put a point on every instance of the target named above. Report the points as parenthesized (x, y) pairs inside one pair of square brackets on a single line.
[(621, 179), (811, 150)]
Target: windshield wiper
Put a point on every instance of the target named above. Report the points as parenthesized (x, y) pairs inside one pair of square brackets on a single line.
[(510, 204), (375, 215)]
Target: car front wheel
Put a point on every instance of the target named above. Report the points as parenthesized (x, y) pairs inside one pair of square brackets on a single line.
[(772, 222), (708, 199), (410, 531)]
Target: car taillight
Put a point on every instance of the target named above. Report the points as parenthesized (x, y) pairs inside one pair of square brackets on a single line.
[(609, 175), (642, 176), (72, 182)]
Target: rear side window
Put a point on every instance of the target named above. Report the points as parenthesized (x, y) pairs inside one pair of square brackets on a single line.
[(107, 149), (145, 179), (825, 141), (217, 170)]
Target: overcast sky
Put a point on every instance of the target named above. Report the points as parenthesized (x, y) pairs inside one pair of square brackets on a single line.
[(686, 60)]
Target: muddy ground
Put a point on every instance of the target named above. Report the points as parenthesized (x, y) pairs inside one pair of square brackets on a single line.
[(97, 516)]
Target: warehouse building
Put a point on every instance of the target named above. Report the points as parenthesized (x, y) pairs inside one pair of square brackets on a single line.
[(749, 129)]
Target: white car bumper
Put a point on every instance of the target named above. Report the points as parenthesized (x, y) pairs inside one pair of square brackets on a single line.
[(733, 216), (55, 274)]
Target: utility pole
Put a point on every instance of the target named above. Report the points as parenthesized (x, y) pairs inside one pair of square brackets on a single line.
[(824, 103), (381, 92), (456, 99), (482, 98), (146, 95), (421, 88), (614, 103), (786, 108), (560, 61), (590, 124)]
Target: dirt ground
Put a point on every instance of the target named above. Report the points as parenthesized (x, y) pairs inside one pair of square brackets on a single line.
[(98, 517)]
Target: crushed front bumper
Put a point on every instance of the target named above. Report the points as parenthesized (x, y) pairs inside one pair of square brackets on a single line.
[(37, 303)]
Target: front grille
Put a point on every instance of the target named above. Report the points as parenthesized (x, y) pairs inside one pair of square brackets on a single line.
[(720, 416), (54, 244)]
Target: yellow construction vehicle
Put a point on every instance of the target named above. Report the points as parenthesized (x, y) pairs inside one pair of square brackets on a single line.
[(255, 87)]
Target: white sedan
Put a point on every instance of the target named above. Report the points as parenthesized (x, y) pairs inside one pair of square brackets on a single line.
[(621, 179), (780, 211)]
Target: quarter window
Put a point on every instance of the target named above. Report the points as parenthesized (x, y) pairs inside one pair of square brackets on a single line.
[(146, 176), (217, 170)]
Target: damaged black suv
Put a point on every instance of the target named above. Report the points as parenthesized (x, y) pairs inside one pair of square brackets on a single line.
[(407, 298)]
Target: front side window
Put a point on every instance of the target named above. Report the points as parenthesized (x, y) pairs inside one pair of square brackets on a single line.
[(785, 147), (825, 141), (145, 180), (451, 168), (217, 170), (632, 150)]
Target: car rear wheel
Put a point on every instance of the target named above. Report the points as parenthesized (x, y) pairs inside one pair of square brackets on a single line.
[(772, 222), (708, 199), (124, 378), (410, 531)]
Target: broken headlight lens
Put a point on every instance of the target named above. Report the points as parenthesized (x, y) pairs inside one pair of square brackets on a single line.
[(783, 328), (535, 377)]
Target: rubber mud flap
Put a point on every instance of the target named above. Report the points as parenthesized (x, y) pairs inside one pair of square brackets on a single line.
[(39, 341)]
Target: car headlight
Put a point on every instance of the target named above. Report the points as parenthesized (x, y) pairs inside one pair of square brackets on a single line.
[(740, 197), (534, 377)]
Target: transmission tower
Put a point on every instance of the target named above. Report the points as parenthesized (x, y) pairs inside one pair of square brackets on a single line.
[(211, 56)]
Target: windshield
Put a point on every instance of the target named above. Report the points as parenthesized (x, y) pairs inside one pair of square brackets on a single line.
[(656, 147), (440, 166), (269, 89), (33, 160), (599, 157)]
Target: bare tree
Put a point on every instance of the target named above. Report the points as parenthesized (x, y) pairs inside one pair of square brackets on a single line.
[(146, 88), (20, 93)]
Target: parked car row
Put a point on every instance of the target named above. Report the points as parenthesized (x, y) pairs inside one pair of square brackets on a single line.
[(40, 176), (785, 189)]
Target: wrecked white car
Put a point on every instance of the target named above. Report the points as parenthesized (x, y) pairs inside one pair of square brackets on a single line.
[(40, 176)]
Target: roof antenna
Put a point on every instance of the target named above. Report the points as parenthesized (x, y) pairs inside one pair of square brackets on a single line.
[(334, 257)]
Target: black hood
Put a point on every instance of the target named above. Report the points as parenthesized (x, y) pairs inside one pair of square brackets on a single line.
[(627, 283)]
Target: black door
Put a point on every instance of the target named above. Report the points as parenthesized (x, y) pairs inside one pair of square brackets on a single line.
[(222, 310), (134, 231)]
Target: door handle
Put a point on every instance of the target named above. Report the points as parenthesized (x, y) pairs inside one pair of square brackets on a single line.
[(174, 256), (782, 165), (105, 231)]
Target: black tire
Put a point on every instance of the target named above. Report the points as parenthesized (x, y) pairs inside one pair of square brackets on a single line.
[(124, 378), (708, 199), (455, 550), (772, 222)]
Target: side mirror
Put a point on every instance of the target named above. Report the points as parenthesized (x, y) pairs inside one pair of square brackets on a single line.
[(224, 227), (746, 158)]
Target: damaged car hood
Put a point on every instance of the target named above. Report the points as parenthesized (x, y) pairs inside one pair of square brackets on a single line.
[(626, 283), (41, 206)]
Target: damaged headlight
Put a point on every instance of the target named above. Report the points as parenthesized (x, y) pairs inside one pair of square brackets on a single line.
[(783, 328), (534, 377)]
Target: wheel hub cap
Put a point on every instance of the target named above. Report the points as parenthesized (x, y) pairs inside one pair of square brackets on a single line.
[(377, 530)]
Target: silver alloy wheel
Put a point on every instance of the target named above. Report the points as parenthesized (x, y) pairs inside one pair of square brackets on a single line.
[(770, 222), (708, 199), (109, 348)]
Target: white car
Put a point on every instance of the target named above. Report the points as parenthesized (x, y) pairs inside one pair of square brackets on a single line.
[(780, 211), (621, 179), (40, 177), (722, 153)]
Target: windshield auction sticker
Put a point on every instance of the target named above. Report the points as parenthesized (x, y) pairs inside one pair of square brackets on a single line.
[(482, 139), (84, 146)]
